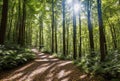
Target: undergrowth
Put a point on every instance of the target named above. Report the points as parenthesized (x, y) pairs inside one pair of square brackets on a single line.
[(109, 69), (62, 57), (12, 56)]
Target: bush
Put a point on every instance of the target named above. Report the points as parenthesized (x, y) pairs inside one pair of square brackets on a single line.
[(109, 69), (62, 57), (111, 66), (11, 58)]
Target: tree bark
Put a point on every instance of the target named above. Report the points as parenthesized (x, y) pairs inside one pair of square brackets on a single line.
[(74, 33), (64, 45), (22, 22), (103, 48), (3, 21), (90, 28), (52, 50), (56, 44), (80, 40)]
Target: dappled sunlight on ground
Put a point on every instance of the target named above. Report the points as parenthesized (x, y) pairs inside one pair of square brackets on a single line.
[(83, 76), (45, 68)]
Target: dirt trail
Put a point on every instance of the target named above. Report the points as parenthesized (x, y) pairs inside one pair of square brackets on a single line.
[(46, 68)]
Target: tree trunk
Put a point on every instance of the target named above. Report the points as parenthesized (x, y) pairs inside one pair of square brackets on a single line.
[(103, 48), (64, 45), (80, 40), (90, 28), (3, 21), (67, 46), (10, 22), (52, 50), (56, 44), (18, 28), (74, 33), (112, 30), (41, 33), (22, 22)]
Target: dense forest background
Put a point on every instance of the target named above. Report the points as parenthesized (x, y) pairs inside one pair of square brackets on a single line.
[(86, 31)]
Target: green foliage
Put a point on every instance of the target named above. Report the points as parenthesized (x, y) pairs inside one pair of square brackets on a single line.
[(44, 50), (109, 69), (61, 56), (112, 64), (11, 58)]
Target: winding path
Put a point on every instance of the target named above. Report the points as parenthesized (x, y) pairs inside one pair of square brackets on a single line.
[(46, 68)]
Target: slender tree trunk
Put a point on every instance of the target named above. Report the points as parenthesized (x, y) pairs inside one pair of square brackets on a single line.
[(18, 27), (56, 44), (103, 48), (90, 28), (74, 34), (52, 50), (41, 33), (29, 34), (112, 33), (64, 45), (9, 31), (37, 36), (22, 21), (115, 37), (3, 21), (112, 30), (80, 40), (15, 30), (67, 46), (10, 22)]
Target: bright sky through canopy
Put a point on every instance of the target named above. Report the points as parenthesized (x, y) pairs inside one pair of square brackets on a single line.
[(69, 1), (76, 7)]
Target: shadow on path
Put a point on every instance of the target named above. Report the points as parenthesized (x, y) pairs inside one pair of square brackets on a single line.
[(45, 68)]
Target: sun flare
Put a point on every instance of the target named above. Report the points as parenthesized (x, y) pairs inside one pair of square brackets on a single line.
[(76, 8)]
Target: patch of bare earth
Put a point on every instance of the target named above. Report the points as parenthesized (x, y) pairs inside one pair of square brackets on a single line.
[(46, 68)]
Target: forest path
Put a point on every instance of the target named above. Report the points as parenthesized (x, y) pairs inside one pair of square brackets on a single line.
[(45, 68)]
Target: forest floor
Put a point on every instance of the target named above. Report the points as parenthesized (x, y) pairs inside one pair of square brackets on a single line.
[(46, 68)]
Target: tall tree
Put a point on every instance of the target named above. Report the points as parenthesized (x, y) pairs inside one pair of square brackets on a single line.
[(10, 21), (40, 32), (3, 21), (52, 49), (56, 39), (18, 28), (113, 34), (74, 32), (80, 40), (64, 45), (90, 28), (67, 31), (22, 21), (103, 48)]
